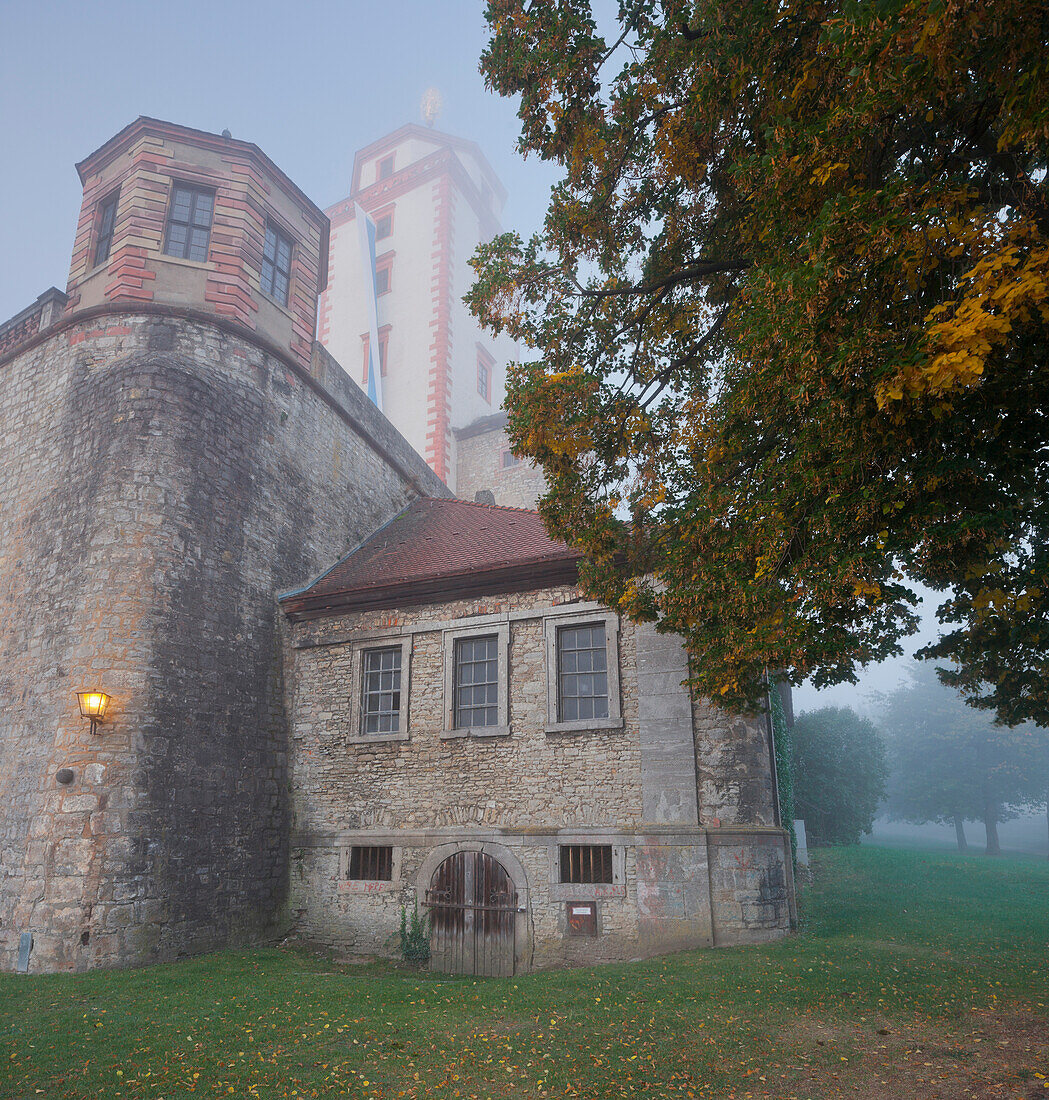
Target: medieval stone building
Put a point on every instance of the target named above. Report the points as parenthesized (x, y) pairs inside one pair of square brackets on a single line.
[(176, 452), (469, 732)]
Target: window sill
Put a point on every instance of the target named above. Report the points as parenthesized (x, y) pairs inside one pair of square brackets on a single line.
[(377, 738), (200, 265), (476, 731), (585, 726), (277, 304)]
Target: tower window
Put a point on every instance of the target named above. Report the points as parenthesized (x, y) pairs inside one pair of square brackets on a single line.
[(384, 227), (485, 363), (384, 342), (276, 265), (383, 277), (107, 216), (386, 167), (189, 223)]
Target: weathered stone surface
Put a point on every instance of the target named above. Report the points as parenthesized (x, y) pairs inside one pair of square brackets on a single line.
[(523, 795), (163, 479)]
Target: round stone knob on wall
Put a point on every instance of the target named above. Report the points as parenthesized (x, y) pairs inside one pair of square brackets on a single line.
[(65, 776)]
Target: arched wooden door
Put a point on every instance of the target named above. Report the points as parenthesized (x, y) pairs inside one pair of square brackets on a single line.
[(473, 916)]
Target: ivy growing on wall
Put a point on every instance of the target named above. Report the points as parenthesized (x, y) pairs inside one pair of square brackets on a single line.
[(784, 768)]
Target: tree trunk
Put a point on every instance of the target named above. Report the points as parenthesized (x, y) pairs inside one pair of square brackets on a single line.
[(990, 821), (959, 832)]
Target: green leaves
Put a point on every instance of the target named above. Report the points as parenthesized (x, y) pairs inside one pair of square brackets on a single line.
[(790, 308)]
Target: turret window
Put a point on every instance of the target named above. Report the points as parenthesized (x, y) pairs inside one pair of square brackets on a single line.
[(107, 216), (189, 223), (276, 265)]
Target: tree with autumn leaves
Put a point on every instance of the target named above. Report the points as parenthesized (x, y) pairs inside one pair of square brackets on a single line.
[(789, 314)]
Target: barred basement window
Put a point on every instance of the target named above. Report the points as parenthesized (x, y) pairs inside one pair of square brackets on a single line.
[(381, 690), (276, 265), (107, 216), (586, 863), (189, 223), (374, 863)]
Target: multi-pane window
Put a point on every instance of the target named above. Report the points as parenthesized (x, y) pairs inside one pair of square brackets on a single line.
[(386, 167), (476, 682), (381, 690), (384, 227), (382, 279), (371, 863), (485, 365), (189, 223), (586, 862), (276, 265), (384, 341), (582, 672), (107, 216)]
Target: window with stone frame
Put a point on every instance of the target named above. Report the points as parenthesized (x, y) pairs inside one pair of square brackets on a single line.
[(107, 217), (381, 690), (582, 669), (585, 863), (275, 277), (188, 232), (582, 672), (380, 671), (383, 275), (476, 681), (370, 863)]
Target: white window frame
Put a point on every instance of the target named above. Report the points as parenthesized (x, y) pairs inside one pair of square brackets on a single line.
[(404, 642), (501, 630), (551, 623)]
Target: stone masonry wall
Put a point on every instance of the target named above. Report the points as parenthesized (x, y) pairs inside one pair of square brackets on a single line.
[(160, 480), (678, 882), (530, 778), (479, 467)]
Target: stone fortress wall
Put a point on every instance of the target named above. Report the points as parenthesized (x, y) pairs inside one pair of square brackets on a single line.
[(164, 475)]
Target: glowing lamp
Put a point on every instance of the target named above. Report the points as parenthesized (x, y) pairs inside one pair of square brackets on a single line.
[(93, 706)]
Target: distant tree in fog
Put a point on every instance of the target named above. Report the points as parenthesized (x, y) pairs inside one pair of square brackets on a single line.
[(951, 763), (839, 774)]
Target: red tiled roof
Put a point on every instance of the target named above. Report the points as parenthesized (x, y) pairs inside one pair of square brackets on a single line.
[(438, 548)]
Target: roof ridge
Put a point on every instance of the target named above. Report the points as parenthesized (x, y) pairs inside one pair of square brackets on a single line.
[(480, 504)]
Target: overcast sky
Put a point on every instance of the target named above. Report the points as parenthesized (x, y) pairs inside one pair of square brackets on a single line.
[(309, 83)]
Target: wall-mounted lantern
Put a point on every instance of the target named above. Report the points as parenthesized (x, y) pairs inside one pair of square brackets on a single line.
[(93, 706)]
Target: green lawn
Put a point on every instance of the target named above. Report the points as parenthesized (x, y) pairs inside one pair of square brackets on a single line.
[(914, 975)]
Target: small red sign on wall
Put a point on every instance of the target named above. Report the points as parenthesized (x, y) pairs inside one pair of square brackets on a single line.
[(582, 918)]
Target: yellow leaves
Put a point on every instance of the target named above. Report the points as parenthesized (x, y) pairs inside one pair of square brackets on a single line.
[(1006, 288), (867, 590), (826, 171)]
